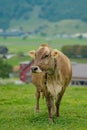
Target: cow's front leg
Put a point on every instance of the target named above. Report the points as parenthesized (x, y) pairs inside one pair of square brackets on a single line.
[(37, 100), (49, 105)]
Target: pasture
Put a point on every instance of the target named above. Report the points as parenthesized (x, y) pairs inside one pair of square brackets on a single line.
[(17, 109), (16, 45)]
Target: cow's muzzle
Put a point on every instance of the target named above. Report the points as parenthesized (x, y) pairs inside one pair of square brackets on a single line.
[(35, 69)]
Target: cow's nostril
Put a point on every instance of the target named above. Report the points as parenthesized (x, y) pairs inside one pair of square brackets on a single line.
[(34, 68)]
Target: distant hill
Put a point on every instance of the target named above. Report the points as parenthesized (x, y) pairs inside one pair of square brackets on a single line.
[(40, 15)]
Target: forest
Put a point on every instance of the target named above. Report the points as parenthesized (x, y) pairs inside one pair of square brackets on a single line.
[(51, 10)]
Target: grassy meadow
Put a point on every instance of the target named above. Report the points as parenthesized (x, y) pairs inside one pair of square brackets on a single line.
[(18, 45), (17, 109), (17, 102)]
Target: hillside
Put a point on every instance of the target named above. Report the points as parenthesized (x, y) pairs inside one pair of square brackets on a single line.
[(40, 16)]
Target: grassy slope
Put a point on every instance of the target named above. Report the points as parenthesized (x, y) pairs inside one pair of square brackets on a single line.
[(17, 109), (64, 26), (30, 24)]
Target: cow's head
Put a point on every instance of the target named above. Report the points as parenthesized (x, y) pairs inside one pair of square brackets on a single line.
[(44, 59)]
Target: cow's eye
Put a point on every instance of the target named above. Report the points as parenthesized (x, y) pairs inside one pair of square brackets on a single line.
[(45, 56)]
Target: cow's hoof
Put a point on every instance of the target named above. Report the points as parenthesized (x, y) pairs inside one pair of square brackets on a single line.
[(51, 120), (37, 110), (57, 115)]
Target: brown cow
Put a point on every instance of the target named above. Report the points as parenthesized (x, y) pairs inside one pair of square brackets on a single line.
[(51, 74)]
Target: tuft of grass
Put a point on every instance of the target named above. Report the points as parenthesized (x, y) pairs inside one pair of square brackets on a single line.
[(17, 109)]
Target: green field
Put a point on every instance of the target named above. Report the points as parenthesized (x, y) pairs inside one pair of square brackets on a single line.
[(17, 109), (18, 45)]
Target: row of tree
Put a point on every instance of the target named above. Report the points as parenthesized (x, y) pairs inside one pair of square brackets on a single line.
[(75, 51)]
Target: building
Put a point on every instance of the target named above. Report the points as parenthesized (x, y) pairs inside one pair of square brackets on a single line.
[(25, 73), (79, 74)]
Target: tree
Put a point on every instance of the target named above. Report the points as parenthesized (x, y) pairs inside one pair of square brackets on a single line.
[(84, 51), (3, 50), (5, 69), (84, 18), (75, 51)]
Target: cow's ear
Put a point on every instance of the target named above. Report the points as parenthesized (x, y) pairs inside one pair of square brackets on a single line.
[(32, 54), (54, 53)]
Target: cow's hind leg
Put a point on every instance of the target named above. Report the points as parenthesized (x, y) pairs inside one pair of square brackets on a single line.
[(57, 103), (37, 100)]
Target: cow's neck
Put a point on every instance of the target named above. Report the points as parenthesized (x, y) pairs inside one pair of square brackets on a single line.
[(51, 76), (52, 85)]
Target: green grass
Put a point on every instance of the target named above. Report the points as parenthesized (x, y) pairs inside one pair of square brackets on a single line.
[(18, 45), (17, 60), (79, 60), (17, 109)]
